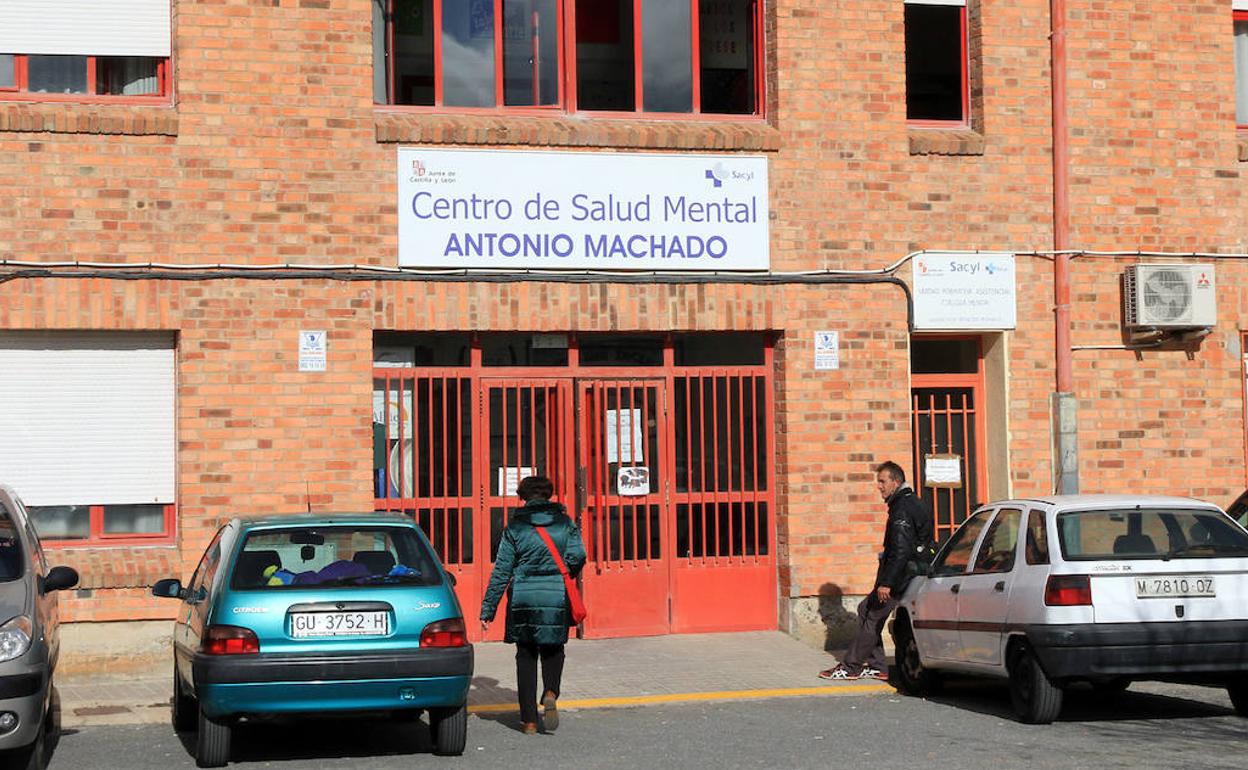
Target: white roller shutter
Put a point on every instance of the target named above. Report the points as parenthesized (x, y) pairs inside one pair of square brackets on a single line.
[(86, 27), (87, 418)]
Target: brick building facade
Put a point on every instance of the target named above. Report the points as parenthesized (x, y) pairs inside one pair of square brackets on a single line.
[(267, 149)]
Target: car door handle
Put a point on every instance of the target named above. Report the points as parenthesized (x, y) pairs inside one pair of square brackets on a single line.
[(1000, 586), (955, 587)]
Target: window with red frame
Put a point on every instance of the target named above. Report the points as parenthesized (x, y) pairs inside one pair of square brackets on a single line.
[(1241, 62), (674, 57), (936, 61), (61, 75), (79, 524)]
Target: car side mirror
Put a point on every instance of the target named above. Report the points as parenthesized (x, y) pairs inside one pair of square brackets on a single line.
[(450, 578), (60, 578), (169, 588)]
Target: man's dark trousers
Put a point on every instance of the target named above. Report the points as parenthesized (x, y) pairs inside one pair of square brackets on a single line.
[(867, 647)]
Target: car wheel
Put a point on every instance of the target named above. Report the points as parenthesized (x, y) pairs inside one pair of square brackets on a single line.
[(912, 677), (1238, 690), (449, 730), (184, 710), (1036, 700), (212, 744)]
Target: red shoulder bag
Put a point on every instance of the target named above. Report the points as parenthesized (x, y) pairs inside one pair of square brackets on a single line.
[(575, 602)]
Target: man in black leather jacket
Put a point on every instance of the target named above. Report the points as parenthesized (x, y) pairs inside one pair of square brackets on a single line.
[(908, 532)]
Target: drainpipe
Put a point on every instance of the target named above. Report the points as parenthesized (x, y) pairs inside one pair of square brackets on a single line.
[(1062, 404)]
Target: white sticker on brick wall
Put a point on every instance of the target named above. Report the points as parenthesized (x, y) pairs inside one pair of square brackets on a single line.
[(955, 290), (312, 349), (827, 350)]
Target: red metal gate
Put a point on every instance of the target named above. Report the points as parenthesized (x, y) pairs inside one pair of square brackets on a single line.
[(623, 459), (529, 432), (670, 478), (423, 429), (724, 571)]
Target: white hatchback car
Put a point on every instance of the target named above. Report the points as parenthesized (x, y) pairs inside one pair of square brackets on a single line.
[(1104, 589)]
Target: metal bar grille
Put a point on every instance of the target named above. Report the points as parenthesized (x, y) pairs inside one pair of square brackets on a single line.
[(945, 423), (721, 495), (422, 452), (625, 472)]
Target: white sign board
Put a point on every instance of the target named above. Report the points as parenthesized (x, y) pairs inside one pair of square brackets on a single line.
[(312, 349), (623, 434), (827, 350), (509, 479), (964, 291), (518, 210), (942, 470)]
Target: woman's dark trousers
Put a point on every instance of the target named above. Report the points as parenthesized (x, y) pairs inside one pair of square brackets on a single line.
[(526, 675)]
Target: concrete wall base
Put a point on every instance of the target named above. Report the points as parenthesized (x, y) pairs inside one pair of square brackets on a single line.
[(825, 622), (119, 647)]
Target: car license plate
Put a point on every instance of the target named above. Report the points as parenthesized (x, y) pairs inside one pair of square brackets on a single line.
[(1173, 586), (370, 623)]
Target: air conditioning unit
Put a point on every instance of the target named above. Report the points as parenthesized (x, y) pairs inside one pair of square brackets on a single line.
[(1170, 296)]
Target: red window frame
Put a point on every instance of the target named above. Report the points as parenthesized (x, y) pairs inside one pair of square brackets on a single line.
[(566, 57), (1238, 16), (964, 61), (21, 81), (96, 535)]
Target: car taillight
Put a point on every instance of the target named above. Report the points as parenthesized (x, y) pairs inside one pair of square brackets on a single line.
[(229, 640), (1068, 591), (445, 633)]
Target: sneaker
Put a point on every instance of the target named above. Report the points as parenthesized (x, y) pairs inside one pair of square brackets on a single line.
[(839, 672), (869, 672), (550, 714), (529, 728)]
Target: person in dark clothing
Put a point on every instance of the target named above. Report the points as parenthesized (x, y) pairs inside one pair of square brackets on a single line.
[(537, 603), (907, 537)]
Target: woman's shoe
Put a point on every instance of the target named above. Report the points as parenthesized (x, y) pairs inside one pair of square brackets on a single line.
[(530, 728), (550, 714)]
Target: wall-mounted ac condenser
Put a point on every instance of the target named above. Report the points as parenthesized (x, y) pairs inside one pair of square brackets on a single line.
[(1170, 296)]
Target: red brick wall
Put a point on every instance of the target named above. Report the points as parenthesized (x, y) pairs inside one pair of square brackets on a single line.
[(272, 152)]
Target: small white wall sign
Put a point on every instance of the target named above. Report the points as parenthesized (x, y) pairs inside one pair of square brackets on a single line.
[(313, 347), (827, 350)]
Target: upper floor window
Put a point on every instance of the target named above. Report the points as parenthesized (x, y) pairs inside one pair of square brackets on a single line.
[(652, 56), (1241, 62), (936, 61), (84, 50)]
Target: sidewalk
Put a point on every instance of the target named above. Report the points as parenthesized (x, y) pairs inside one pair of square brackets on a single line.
[(599, 673)]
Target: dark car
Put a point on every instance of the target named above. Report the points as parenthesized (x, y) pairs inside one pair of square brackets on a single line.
[(29, 643), (315, 614)]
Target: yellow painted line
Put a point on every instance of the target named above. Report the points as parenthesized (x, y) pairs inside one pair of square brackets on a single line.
[(694, 697)]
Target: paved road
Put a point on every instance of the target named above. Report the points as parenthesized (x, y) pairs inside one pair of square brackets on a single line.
[(1151, 727)]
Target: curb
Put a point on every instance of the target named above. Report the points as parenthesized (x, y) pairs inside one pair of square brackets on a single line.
[(697, 697)]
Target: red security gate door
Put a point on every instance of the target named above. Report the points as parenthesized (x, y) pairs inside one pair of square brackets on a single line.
[(527, 432), (624, 463), (423, 431), (724, 569)]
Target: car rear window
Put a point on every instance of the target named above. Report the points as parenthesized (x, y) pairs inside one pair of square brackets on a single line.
[(1149, 533), (330, 556)]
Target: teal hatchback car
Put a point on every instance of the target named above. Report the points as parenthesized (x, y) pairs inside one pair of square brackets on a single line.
[(314, 614)]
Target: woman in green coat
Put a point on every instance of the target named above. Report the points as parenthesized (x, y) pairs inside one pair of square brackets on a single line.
[(537, 602)]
